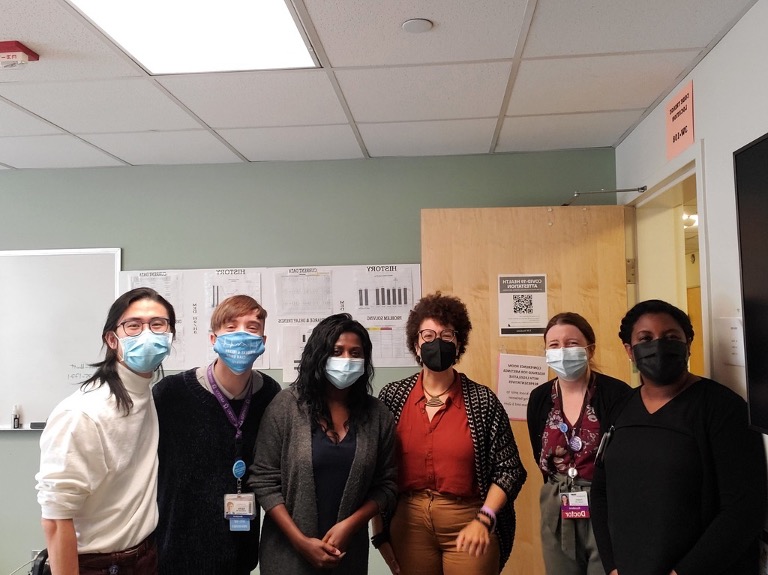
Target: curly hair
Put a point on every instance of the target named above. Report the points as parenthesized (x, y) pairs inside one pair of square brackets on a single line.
[(444, 309), (311, 381), (654, 306)]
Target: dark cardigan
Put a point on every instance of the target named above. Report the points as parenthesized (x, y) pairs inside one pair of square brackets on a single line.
[(497, 459), (609, 390)]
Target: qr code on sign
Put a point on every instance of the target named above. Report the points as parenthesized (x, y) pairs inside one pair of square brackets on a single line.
[(523, 303)]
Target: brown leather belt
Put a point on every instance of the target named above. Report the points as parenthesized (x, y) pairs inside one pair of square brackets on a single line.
[(123, 558)]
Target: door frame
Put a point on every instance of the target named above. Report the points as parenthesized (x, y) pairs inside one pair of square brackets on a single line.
[(659, 194)]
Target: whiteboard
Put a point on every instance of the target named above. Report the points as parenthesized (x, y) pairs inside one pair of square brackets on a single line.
[(53, 304)]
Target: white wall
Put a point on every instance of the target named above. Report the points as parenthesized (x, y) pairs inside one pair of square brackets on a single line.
[(730, 94)]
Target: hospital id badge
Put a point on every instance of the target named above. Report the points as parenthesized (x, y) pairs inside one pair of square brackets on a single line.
[(239, 505), (574, 505)]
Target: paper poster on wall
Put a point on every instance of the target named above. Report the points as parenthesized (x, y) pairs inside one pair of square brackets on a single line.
[(679, 132), (730, 337), (518, 375), (522, 304), (296, 299), (378, 296), (194, 294)]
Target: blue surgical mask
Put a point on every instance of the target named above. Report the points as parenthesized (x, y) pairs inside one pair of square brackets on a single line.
[(239, 349), (344, 371), (569, 363), (143, 353)]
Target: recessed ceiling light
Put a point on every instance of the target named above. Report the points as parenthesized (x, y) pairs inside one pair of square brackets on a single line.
[(178, 36), (417, 25)]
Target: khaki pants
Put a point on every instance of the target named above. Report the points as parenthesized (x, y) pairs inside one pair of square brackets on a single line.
[(569, 551), (424, 531)]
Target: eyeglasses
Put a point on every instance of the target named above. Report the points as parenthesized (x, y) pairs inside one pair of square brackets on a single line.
[(430, 335), (135, 326)]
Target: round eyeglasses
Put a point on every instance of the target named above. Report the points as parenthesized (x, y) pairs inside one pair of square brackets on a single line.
[(430, 335), (135, 326)]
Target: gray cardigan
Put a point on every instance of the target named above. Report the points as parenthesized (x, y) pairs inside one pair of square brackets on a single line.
[(282, 473)]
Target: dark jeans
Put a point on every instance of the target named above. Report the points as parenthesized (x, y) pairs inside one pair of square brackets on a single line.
[(139, 560)]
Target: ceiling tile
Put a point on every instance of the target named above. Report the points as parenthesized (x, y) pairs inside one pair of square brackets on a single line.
[(594, 84), (120, 105), (258, 99), (143, 148), (558, 132), (295, 143), (425, 92), (52, 152), (357, 33), (439, 138), (565, 27), (69, 48), (19, 123)]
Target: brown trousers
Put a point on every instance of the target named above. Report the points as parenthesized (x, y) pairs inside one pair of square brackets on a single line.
[(138, 560), (423, 534)]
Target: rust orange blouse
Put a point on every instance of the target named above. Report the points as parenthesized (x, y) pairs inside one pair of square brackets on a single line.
[(437, 454)]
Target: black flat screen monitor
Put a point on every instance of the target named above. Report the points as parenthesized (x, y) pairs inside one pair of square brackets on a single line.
[(750, 165)]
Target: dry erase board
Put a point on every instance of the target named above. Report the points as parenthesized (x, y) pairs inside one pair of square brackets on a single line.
[(53, 305)]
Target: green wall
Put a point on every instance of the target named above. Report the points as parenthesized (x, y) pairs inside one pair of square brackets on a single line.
[(252, 215)]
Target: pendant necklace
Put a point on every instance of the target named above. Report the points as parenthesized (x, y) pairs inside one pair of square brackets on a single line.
[(434, 400)]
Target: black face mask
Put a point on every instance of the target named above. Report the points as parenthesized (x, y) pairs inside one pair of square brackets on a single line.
[(661, 360), (438, 355)]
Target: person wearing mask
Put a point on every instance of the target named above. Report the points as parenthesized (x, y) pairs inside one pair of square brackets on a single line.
[(459, 470), (97, 483), (324, 463), (680, 485), (566, 417), (209, 419)]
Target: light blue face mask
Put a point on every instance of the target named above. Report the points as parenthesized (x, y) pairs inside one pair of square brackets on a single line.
[(239, 349), (143, 353), (569, 363), (344, 371)]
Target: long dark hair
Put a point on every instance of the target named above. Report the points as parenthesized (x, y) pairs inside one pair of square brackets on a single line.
[(311, 382), (106, 371)]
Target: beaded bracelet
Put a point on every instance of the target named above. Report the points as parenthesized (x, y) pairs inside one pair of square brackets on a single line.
[(490, 514), (379, 539), (485, 524)]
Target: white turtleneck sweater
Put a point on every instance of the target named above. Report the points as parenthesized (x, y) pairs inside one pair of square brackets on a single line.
[(99, 466)]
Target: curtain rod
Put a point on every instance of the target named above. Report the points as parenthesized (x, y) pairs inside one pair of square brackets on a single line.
[(577, 194)]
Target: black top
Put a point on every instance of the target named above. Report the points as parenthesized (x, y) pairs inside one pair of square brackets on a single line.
[(331, 463), (608, 391), (682, 488), (196, 453)]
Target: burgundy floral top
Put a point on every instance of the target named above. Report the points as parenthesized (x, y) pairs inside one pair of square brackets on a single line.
[(567, 444)]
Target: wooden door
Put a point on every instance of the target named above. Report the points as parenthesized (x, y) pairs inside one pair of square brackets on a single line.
[(581, 249)]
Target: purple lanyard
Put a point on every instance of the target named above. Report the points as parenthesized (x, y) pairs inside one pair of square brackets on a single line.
[(236, 422)]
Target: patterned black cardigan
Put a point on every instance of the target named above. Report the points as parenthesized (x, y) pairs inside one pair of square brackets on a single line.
[(497, 459)]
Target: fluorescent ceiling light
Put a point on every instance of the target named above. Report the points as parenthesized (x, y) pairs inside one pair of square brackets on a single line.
[(185, 36)]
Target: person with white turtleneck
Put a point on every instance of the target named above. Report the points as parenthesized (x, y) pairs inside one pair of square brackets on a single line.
[(97, 484)]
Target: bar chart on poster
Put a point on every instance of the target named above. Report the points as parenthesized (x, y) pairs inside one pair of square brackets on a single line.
[(296, 299), (53, 304)]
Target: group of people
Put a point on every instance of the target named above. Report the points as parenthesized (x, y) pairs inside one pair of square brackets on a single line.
[(140, 476), (662, 479), (143, 474)]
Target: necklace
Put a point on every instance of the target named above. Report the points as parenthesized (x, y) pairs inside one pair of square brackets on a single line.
[(434, 400)]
